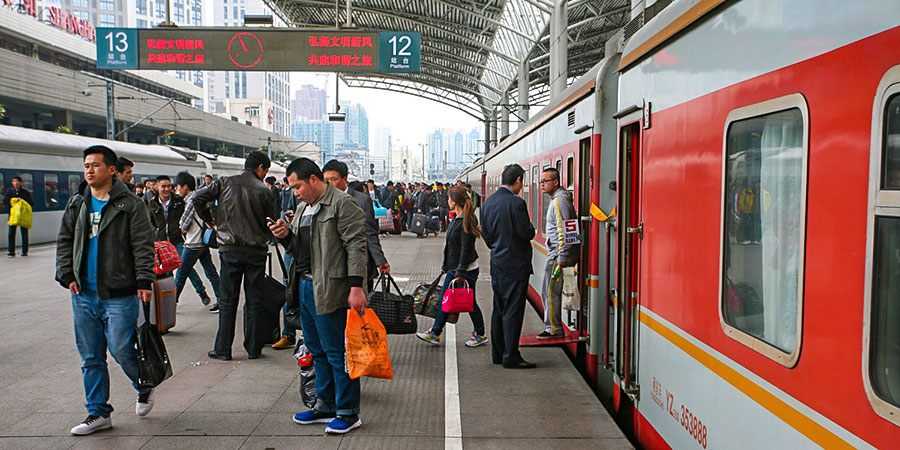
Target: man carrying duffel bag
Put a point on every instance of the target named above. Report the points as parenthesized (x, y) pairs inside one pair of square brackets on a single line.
[(104, 257)]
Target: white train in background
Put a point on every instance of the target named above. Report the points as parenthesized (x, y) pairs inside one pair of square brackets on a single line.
[(50, 167)]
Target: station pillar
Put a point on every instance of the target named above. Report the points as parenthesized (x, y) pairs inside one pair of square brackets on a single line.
[(504, 115), (559, 40), (523, 91)]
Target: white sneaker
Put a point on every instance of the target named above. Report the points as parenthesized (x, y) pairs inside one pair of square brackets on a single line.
[(144, 404), (91, 424)]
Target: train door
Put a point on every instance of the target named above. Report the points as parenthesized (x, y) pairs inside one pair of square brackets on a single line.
[(578, 178), (629, 236)]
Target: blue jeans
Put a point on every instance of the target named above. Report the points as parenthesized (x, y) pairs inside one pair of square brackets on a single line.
[(285, 331), (189, 257), (191, 273), (477, 318), (324, 337), (102, 324)]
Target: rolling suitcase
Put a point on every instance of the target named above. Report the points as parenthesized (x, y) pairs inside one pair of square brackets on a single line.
[(419, 222), (162, 306), (398, 225)]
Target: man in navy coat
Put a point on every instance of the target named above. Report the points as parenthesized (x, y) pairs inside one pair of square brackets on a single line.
[(508, 232)]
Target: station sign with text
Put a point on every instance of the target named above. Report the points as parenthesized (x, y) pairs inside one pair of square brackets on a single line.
[(262, 49)]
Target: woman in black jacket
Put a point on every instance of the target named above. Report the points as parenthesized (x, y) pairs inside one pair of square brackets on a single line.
[(460, 263)]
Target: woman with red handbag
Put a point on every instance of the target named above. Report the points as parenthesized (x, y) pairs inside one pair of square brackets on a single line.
[(461, 266)]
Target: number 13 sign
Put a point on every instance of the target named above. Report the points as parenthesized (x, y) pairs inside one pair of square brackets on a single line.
[(117, 48)]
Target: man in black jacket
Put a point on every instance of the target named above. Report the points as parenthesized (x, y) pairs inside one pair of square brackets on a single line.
[(166, 210), (244, 203), (104, 257), (508, 232), (17, 191), (443, 205), (335, 173)]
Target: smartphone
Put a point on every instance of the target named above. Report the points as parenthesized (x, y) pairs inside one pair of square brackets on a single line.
[(270, 220)]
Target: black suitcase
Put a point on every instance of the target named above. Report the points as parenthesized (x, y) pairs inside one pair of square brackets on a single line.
[(419, 223)]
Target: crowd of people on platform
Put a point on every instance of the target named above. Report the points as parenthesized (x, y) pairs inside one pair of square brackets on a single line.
[(327, 227)]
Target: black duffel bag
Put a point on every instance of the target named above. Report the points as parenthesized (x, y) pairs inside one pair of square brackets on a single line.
[(396, 311), (266, 328), (155, 366)]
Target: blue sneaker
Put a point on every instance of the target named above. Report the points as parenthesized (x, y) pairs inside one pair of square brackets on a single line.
[(313, 416), (343, 424)]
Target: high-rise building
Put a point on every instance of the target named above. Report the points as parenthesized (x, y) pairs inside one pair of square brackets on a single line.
[(308, 104), (320, 132), (356, 127), (266, 93), (450, 151)]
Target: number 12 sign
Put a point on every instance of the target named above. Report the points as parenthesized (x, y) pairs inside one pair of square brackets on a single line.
[(399, 51), (117, 48)]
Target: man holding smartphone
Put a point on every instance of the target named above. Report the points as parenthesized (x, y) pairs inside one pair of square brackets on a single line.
[(243, 236)]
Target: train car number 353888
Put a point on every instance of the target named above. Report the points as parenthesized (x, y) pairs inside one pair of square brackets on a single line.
[(681, 414)]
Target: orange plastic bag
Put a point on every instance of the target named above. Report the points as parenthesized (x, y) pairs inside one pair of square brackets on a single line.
[(367, 349)]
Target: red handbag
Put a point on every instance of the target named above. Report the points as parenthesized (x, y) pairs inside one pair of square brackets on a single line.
[(166, 257), (458, 299)]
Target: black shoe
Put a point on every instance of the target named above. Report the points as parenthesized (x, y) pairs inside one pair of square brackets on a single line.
[(13, 255), (204, 298), (519, 365), (254, 355), (212, 354), (546, 335), (24, 254), (214, 309)]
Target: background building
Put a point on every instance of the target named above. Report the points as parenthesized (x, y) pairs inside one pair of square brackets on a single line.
[(450, 151), (308, 104)]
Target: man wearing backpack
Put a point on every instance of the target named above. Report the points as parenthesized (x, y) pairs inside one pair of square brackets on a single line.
[(104, 257)]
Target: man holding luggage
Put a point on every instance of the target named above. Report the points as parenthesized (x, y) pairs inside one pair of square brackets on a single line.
[(104, 257), (327, 276), (244, 204), (17, 191), (560, 254), (165, 214), (507, 231)]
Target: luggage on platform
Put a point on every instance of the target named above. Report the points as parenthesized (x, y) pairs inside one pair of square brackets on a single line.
[(162, 306), (426, 301), (393, 308), (387, 224), (398, 225), (266, 329), (155, 366), (419, 222), (166, 258)]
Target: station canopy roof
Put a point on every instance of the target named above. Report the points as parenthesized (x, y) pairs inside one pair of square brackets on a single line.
[(471, 49)]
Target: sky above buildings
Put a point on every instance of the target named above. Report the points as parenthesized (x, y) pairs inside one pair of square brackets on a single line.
[(410, 118)]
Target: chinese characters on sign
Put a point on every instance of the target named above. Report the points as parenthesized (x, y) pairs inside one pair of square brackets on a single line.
[(258, 49)]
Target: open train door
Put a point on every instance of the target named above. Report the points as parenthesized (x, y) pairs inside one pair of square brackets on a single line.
[(630, 232)]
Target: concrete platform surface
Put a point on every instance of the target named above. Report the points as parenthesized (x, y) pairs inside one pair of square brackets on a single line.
[(243, 404)]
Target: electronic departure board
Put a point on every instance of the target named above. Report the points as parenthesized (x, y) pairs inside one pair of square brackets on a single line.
[(268, 49)]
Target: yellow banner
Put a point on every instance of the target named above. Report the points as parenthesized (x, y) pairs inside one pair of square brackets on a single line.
[(600, 215)]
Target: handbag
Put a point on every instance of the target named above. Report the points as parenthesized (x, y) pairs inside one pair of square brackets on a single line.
[(166, 257), (154, 365), (458, 299), (210, 237), (426, 302), (396, 311)]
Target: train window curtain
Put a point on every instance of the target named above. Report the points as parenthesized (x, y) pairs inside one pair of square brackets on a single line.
[(763, 235)]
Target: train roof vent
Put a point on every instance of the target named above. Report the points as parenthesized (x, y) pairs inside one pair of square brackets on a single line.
[(635, 24), (571, 118)]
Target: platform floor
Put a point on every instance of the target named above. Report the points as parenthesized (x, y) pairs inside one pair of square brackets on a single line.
[(244, 404)]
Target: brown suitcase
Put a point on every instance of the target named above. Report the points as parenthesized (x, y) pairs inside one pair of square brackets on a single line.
[(162, 306)]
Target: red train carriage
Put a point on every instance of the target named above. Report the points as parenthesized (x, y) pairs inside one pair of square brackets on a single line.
[(748, 292)]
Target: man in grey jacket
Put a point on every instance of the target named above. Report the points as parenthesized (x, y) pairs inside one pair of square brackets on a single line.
[(327, 276), (560, 254)]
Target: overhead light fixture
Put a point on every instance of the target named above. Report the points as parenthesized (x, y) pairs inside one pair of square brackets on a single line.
[(256, 19), (337, 117)]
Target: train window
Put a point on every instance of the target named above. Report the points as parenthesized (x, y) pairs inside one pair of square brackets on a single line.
[(890, 175), (525, 187), (74, 182), (2, 191), (51, 190), (881, 360), (763, 227), (27, 181), (570, 172), (884, 359)]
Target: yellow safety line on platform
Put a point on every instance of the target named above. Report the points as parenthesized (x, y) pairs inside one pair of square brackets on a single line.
[(797, 420)]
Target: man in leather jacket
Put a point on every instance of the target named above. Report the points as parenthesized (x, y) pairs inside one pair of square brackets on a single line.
[(244, 204)]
